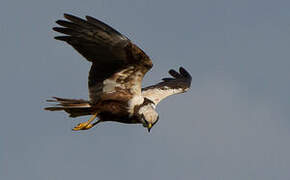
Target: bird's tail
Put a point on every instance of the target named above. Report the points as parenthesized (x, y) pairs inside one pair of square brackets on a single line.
[(74, 107)]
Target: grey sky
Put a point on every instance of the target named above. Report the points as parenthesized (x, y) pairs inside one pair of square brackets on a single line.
[(233, 124)]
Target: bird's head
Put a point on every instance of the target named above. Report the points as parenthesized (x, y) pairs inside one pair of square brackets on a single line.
[(148, 116)]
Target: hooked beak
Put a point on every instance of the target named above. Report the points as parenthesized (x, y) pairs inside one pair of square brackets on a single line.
[(149, 127)]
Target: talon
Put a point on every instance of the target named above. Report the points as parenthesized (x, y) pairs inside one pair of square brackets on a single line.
[(86, 125), (89, 126), (83, 126)]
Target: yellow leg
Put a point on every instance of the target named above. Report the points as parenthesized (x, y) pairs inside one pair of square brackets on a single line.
[(85, 125)]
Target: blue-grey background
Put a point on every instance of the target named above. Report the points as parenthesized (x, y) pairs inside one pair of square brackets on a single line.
[(233, 124)]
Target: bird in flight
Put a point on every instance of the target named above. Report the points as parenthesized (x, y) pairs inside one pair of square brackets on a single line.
[(115, 78)]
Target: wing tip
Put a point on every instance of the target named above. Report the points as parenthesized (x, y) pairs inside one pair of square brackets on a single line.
[(62, 22), (62, 38), (67, 16), (57, 29), (181, 74), (184, 72), (174, 73), (74, 19)]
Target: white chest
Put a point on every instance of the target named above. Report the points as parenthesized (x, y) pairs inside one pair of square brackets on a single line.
[(136, 100)]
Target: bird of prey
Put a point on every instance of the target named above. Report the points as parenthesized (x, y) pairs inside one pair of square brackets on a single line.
[(115, 78)]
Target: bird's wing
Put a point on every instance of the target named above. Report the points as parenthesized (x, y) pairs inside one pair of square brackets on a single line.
[(118, 65), (178, 83)]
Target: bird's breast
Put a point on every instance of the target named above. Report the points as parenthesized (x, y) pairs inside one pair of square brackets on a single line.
[(132, 103)]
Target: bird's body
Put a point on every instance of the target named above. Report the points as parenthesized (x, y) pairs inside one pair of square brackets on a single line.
[(115, 77)]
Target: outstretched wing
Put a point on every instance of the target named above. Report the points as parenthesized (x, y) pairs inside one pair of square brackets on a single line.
[(118, 65), (178, 83)]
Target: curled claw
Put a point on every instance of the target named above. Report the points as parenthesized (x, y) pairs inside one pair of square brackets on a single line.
[(83, 126)]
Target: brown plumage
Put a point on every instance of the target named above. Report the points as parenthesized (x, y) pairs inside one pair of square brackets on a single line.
[(115, 77)]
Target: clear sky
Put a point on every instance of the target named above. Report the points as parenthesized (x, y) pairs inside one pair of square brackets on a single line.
[(234, 123)]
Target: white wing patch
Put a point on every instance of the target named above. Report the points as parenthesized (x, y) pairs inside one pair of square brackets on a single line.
[(156, 95), (136, 87), (110, 84)]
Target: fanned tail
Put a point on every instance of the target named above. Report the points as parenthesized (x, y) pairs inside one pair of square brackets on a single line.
[(74, 107)]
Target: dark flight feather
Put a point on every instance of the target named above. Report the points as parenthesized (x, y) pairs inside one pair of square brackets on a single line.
[(115, 58)]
